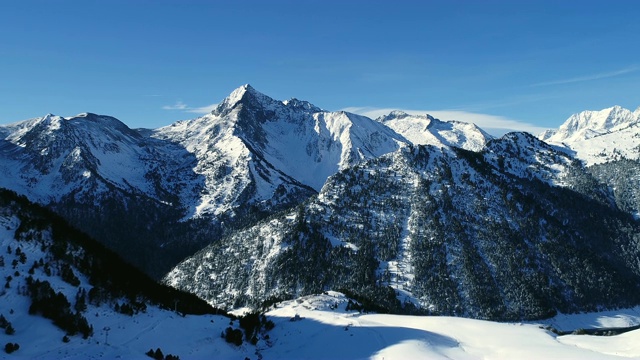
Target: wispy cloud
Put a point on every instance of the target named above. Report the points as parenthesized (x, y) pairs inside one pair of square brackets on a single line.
[(203, 109), (591, 77), (494, 124), (179, 105)]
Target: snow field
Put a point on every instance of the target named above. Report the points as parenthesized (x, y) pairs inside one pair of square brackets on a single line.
[(323, 333)]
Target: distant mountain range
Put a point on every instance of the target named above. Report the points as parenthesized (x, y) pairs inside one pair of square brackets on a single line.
[(410, 213)]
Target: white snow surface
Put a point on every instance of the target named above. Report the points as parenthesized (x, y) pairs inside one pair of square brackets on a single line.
[(324, 329), (599, 136), (427, 130)]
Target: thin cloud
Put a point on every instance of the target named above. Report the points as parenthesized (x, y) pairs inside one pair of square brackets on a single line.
[(493, 124), (179, 105), (589, 77), (202, 110)]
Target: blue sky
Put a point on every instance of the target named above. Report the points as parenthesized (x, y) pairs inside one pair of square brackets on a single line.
[(150, 63)]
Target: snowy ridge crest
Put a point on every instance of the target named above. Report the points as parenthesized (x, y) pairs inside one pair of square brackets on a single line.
[(599, 136), (427, 130), (589, 124)]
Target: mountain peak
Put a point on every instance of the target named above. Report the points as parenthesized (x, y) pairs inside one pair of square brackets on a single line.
[(599, 136), (238, 94), (301, 104), (245, 94), (604, 120), (50, 121), (592, 123), (427, 130), (395, 114), (399, 114), (87, 115)]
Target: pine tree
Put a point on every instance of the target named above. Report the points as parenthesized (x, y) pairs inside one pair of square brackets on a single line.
[(11, 347), (81, 303), (158, 355), (10, 330)]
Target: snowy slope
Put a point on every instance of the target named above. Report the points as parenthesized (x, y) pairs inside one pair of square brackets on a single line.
[(27, 247), (128, 337), (427, 130), (599, 136), (615, 145), (608, 142), (522, 155)]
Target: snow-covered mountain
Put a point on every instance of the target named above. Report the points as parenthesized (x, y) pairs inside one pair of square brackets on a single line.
[(500, 234), (251, 152), (427, 130), (254, 149), (176, 189), (608, 142), (409, 212), (248, 151), (52, 157), (600, 136), (113, 182)]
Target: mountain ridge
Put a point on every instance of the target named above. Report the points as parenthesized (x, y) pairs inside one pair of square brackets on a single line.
[(348, 194), (589, 123), (427, 130)]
